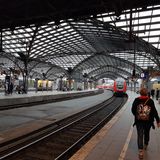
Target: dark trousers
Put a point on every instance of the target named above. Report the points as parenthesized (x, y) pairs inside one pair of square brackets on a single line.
[(156, 97), (143, 133)]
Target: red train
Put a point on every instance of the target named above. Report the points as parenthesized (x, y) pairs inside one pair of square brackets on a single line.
[(105, 86), (119, 87)]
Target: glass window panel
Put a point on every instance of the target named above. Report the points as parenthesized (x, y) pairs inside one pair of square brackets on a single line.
[(155, 19), (155, 26), (145, 13), (155, 39)]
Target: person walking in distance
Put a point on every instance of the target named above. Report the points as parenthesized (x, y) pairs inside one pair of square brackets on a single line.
[(157, 94), (144, 111), (152, 93)]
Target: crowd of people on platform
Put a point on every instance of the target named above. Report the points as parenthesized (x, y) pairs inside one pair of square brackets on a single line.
[(9, 88)]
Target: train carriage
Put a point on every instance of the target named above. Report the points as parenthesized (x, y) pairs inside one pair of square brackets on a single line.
[(119, 87)]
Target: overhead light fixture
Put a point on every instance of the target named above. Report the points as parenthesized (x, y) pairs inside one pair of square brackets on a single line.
[(154, 79)]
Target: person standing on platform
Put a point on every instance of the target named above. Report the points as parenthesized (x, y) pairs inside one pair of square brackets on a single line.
[(157, 94), (144, 111), (152, 93), (11, 88)]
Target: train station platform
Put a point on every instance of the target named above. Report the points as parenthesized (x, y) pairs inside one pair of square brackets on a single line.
[(20, 121), (41, 96), (117, 140)]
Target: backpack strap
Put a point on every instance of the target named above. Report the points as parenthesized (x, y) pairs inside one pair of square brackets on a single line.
[(146, 101)]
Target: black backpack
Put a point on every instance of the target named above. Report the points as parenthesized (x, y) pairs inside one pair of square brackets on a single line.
[(143, 111)]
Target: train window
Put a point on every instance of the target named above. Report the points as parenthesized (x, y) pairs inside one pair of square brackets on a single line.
[(120, 85)]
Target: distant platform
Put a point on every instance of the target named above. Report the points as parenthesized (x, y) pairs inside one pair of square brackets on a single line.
[(42, 96)]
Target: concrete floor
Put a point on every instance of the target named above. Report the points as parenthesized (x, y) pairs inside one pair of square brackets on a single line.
[(118, 139)]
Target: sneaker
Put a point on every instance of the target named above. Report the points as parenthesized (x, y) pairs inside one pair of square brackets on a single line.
[(140, 154), (145, 147)]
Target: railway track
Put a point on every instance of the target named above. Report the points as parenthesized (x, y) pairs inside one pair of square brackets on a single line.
[(60, 140)]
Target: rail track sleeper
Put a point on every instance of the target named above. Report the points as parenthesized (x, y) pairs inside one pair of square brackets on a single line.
[(75, 132), (38, 156), (49, 152), (57, 145), (69, 138), (87, 125), (74, 135), (42, 150), (79, 128), (86, 128)]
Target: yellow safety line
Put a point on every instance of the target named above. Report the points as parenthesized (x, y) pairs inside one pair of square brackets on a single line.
[(125, 148)]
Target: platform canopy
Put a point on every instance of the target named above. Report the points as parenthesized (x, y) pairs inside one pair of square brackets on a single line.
[(94, 38)]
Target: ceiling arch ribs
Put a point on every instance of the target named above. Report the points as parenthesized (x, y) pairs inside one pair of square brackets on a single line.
[(65, 41), (109, 74), (6, 63), (34, 64), (75, 26), (148, 51), (35, 74), (19, 40), (50, 41), (56, 70), (145, 29), (49, 72), (102, 59), (31, 42), (71, 42), (47, 68), (102, 39), (114, 69), (55, 74), (97, 31), (141, 45), (10, 61)]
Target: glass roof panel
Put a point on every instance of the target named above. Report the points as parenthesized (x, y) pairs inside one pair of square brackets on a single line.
[(145, 24), (69, 43)]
